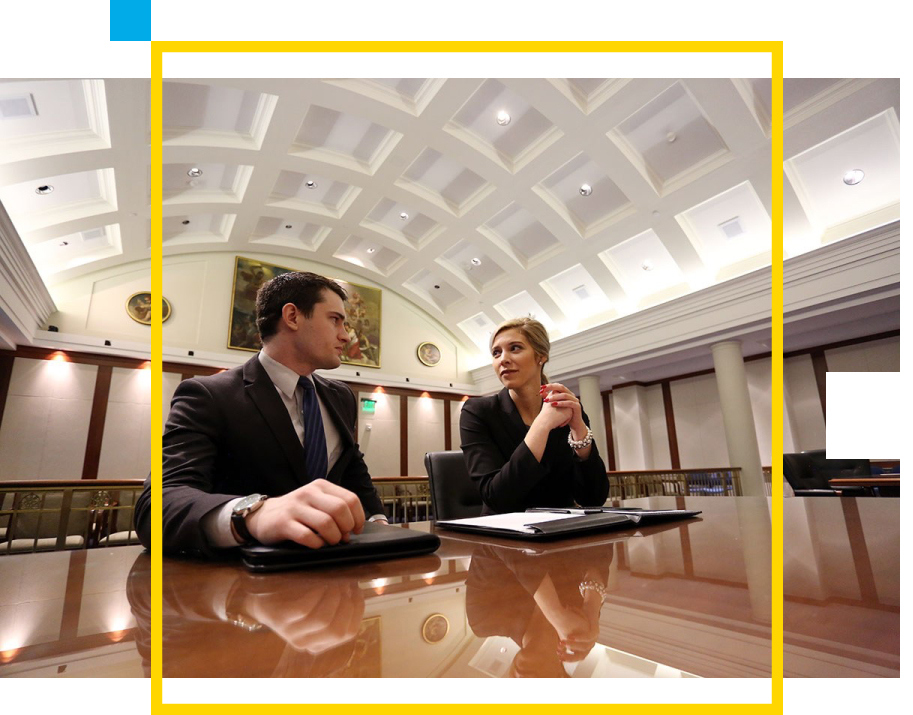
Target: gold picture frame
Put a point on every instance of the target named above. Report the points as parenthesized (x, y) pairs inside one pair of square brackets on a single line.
[(428, 354), (363, 312), (139, 307)]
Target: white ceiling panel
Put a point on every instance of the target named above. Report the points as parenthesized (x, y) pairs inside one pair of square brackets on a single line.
[(56, 199), (207, 115), (645, 269), (837, 209), (290, 232), (577, 293), (670, 137), (729, 228), (204, 183)]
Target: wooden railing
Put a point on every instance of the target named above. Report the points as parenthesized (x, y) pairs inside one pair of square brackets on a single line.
[(51, 515), (405, 499), (710, 481)]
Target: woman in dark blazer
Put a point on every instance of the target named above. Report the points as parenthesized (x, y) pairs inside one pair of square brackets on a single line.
[(529, 445)]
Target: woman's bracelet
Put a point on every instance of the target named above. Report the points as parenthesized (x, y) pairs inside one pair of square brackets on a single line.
[(594, 586), (583, 443)]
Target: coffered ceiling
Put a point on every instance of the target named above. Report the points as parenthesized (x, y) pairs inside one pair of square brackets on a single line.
[(577, 200)]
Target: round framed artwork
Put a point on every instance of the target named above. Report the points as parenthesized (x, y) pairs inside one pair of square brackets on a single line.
[(139, 307), (435, 628), (428, 354)]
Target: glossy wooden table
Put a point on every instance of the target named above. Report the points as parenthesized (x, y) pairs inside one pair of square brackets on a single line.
[(683, 599), (841, 587), (75, 613)]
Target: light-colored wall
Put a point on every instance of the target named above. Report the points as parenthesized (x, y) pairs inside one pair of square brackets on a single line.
[(874, 356), (631, 426), (699, 422), (456, 407), (378, 435), (759, 392), (46, 420), (656, 421), (125, 441), (426, 431), (95, 304), (802, 405)]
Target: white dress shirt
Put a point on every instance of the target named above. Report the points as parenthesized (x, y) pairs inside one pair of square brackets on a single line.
[(216, 524)]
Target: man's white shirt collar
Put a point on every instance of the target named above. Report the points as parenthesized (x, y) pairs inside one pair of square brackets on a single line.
[(284, 378)]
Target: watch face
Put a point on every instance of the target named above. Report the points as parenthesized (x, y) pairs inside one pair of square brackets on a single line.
[(247, 502)]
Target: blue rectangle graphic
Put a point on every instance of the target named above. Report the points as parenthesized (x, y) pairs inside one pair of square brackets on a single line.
[(131, 20)]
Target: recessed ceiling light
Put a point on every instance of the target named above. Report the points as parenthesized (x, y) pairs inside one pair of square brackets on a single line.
[(195, 172), (288, 225), (647, 265), (185, 221), (371, 250), (503, 118), (476, 261), (585, 189), (437, 287), (404, 216), (671, 137), (311, 184), (44, 189), (853, 177)]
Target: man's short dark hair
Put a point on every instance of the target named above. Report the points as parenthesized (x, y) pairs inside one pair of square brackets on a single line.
[(303, 289)]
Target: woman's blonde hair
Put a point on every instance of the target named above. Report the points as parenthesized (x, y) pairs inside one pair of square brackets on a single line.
[(534, 332)]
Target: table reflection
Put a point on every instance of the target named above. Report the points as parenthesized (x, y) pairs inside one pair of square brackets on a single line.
[(72, 613), (841, 587), (682, 599)]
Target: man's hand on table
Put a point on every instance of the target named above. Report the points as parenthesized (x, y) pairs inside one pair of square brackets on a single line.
[(314, 515)]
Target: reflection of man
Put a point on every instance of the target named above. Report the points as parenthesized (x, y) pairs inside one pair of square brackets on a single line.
[(297, 625), (272, 430)]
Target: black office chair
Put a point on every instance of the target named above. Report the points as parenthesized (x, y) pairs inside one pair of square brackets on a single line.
[(808, 474), (453, 494)]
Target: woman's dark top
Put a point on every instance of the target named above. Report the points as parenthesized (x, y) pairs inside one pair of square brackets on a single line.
[(507, 474)]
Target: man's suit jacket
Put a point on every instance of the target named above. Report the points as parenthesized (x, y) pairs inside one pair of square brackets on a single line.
[(230, 435), (509, 476)]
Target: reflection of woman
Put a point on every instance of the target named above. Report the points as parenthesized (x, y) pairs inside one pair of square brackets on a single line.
[(529, 445), (549, 605)]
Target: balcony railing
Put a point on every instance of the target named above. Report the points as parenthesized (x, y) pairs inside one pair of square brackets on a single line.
[(51, 515), (716, 481), (405, 499)]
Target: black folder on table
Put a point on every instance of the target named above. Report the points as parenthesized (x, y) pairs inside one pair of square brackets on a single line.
[(559, 523), (375, 542)]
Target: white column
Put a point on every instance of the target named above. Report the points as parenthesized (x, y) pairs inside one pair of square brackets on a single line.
[(738, 420), (632, 430), (591, 400)]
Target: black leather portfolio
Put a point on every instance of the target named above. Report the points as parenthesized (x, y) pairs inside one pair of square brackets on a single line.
[(557, 523), (375, 542)]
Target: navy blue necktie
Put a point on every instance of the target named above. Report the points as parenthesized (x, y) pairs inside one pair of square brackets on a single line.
[(315, 441)]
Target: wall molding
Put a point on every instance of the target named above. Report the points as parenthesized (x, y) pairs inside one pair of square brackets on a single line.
[(25, 302)]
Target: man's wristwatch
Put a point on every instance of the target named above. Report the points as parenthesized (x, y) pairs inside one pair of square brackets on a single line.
[(240, 511)]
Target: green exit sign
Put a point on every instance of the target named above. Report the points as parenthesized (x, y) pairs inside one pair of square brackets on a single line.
[(367, 406)]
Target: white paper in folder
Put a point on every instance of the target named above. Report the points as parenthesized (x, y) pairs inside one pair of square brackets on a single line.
[(516, 521)]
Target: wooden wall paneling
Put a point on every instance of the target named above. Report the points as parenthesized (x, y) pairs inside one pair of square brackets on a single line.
[(448, 441), (97, 422), (670, 426), (6, 372), (610, 445), (76, 576), (819, 365), (403, 435)]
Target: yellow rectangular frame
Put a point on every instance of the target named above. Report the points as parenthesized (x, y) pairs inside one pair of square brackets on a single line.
[(775, 48)]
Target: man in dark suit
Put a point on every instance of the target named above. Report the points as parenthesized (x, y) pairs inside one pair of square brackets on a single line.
[(266, 452)]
